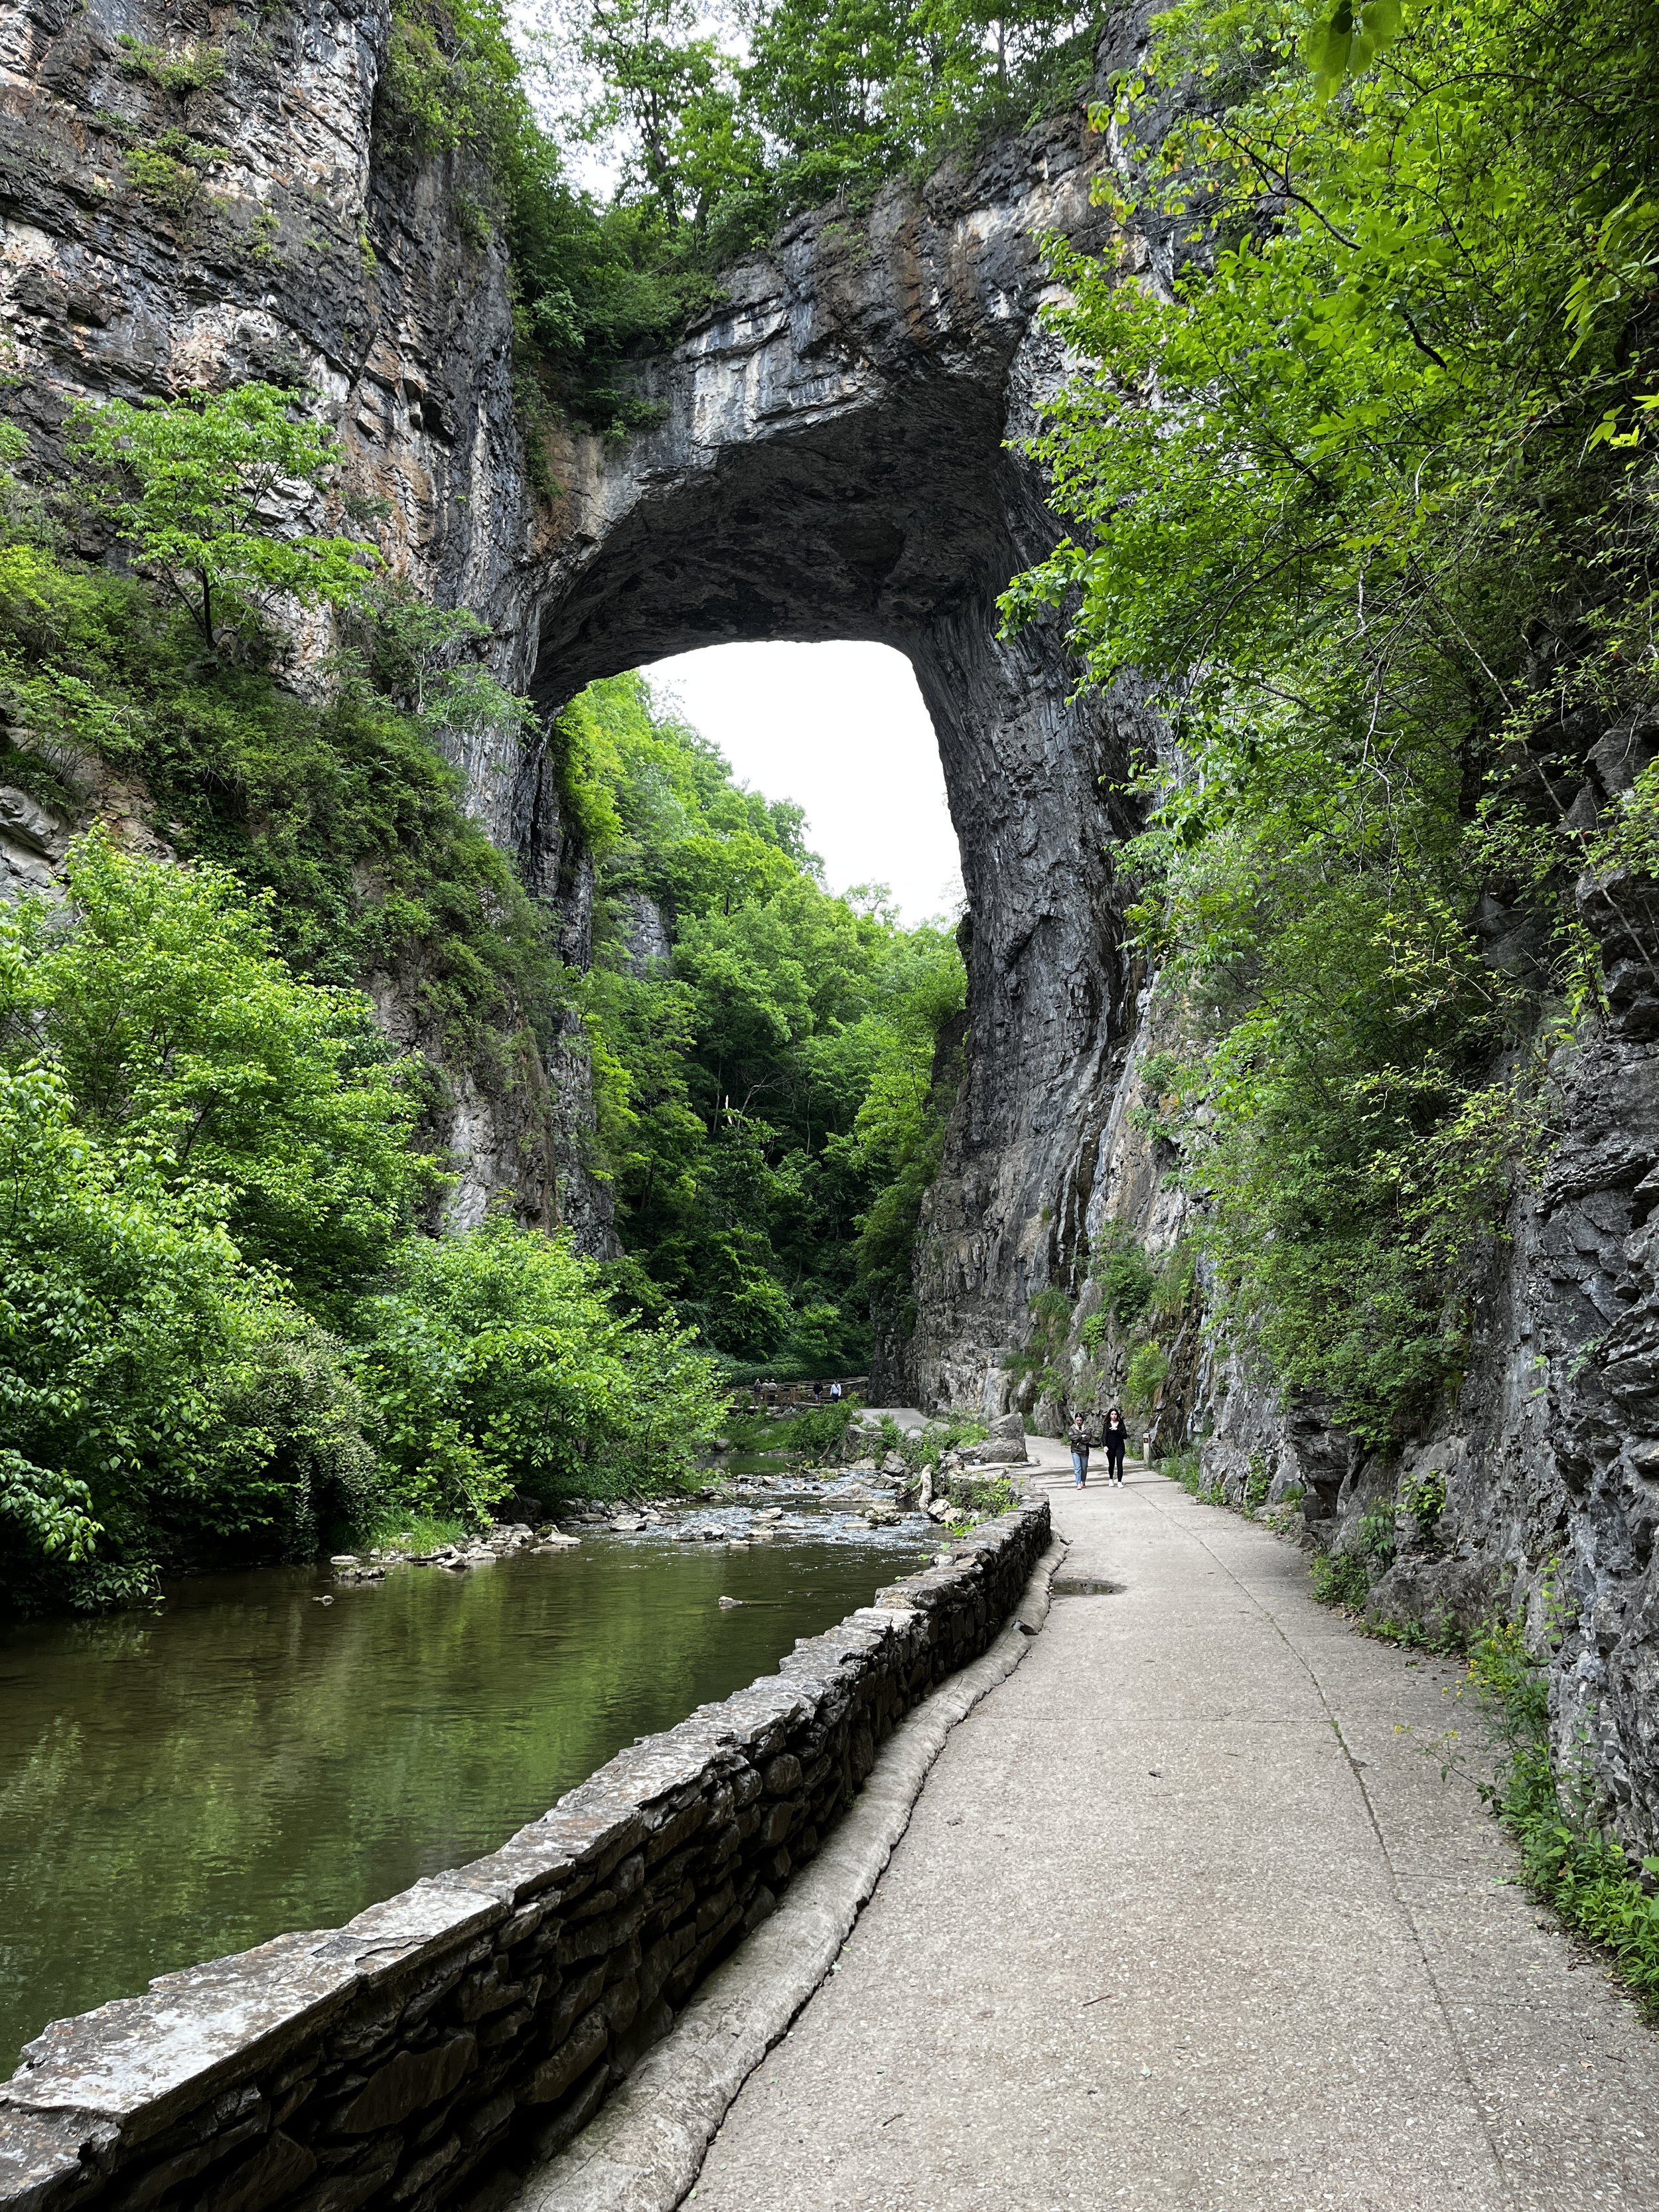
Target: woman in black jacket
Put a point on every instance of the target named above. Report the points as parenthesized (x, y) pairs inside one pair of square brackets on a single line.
[(1115, 1437)]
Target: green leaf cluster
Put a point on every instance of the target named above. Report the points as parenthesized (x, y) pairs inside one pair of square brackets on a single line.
[(499, 1363), (212, 493), (217, 1308), (1361, 480), (221, 1335), (769, 1106), (345, 808)]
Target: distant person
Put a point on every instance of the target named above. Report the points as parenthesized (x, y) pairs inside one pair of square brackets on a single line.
[(1080, 1439), (1116, 1440), (835, 1393), (818, 1394)]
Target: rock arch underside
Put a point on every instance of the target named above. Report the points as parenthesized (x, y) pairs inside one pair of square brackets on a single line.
[(839, 455)]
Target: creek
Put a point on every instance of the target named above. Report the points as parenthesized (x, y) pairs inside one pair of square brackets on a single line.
[(177, 1785)]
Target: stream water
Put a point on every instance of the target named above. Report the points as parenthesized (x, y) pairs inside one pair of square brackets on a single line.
[(180, 1786)]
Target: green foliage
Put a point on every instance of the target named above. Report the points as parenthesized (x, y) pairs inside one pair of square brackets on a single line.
[(1346, 40), (813, 1434), (184, 1041), (1187, 1469), (1346, 1577), (1340, 1578), (171, 169), (1367, 495), (1424, 1499), (196, 70), (769, 1107), (344, 809), (1125, 1274), (1567, 1860), (718, 126), (219, 1338), (984, 1498), (950, 1432), (190, 486), (168, 1088), (196, 1147), (499, 1364), (1147, 1372), (1038, 1360), (128, 1327)]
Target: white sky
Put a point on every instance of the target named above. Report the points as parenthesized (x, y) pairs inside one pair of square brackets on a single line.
[(841, 730)]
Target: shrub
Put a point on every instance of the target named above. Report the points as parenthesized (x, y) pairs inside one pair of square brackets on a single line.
[(499, 1365), (1148, 1369), (137, 1353), (1424, 1499), (1340, 1578), (1125, 1277), (1567, 1859), (182, 1039)]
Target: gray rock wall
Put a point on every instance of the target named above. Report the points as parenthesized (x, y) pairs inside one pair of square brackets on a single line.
[(320, 251), (1548, 1454), (838, 456), (473, 2023)]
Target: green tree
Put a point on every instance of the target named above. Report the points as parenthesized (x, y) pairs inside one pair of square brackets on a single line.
[(130, 1335), (768, 1095), (1367, 495), (499, 1362), (215, 497), (182, 1039)]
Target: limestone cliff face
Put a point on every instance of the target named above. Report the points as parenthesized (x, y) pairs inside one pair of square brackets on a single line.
[(286, 234), (837, 458), (1551, 1458), (1549, 1454)]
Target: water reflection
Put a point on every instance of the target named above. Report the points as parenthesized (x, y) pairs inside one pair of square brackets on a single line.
[(177, 1786)]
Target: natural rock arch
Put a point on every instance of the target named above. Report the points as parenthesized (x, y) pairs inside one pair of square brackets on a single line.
[(840, 456)]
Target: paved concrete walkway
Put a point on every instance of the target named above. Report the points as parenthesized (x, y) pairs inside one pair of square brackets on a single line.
[(1187, 1918)]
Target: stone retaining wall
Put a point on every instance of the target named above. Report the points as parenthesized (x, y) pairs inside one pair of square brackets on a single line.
[(443, 2042)]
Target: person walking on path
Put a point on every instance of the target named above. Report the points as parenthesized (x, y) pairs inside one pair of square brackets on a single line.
[(1079, 1440), (1117, 1443)]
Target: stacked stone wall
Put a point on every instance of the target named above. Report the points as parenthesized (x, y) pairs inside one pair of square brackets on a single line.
[(443, 2042)]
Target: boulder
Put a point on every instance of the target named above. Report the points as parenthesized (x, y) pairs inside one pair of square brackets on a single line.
[(1005, 1446), (862, 1440)]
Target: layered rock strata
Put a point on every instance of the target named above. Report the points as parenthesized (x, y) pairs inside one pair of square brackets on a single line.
[(838, 456), (194, 195)]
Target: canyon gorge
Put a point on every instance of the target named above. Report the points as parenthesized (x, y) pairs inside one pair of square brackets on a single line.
[(835, 451)]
